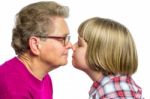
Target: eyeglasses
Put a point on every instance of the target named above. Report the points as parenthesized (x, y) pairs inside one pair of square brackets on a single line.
[(64, 39)]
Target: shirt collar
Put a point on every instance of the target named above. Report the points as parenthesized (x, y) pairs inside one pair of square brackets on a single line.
[(104, 80)]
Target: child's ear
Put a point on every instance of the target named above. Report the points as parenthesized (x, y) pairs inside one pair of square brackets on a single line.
[(34, 44)]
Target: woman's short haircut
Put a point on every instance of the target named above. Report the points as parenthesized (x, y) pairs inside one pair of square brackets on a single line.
[(35, 19)]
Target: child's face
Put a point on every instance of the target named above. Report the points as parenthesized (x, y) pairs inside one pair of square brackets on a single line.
[(79, 60)]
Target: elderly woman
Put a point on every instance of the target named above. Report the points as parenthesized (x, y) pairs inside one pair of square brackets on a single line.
[(41, 42)]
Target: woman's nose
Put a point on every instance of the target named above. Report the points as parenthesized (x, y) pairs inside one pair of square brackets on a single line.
[(69, 45)]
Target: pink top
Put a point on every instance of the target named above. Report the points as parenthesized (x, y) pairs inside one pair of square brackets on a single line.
[(16, 82)]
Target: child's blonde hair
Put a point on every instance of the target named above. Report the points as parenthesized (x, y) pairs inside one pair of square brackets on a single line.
[(111, 48)]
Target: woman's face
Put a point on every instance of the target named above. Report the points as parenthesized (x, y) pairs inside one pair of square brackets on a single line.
[(79, 59), (53, 51)]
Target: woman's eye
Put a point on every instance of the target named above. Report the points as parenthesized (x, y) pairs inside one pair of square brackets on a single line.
[(61, 40)]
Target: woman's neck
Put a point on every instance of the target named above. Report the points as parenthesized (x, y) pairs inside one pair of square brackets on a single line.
[(32, 66)]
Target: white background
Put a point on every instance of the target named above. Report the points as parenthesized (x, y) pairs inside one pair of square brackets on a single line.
[(70, 83)]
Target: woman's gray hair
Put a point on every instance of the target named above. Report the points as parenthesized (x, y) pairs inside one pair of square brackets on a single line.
[(35, 19)]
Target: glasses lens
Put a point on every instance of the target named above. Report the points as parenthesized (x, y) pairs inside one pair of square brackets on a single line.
[(67, 39), (64, 40)]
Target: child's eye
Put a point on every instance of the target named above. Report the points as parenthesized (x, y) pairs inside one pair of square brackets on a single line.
[(79, 44)]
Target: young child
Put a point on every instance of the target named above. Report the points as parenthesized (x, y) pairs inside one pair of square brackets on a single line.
[(106, 52)]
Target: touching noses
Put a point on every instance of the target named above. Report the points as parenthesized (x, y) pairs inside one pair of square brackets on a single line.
[(71, 46), (74, 47)]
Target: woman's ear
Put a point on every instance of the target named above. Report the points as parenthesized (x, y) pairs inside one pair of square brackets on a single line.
[(34, 44)]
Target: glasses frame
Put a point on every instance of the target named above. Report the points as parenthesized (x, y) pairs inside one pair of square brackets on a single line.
[(65, 39)]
